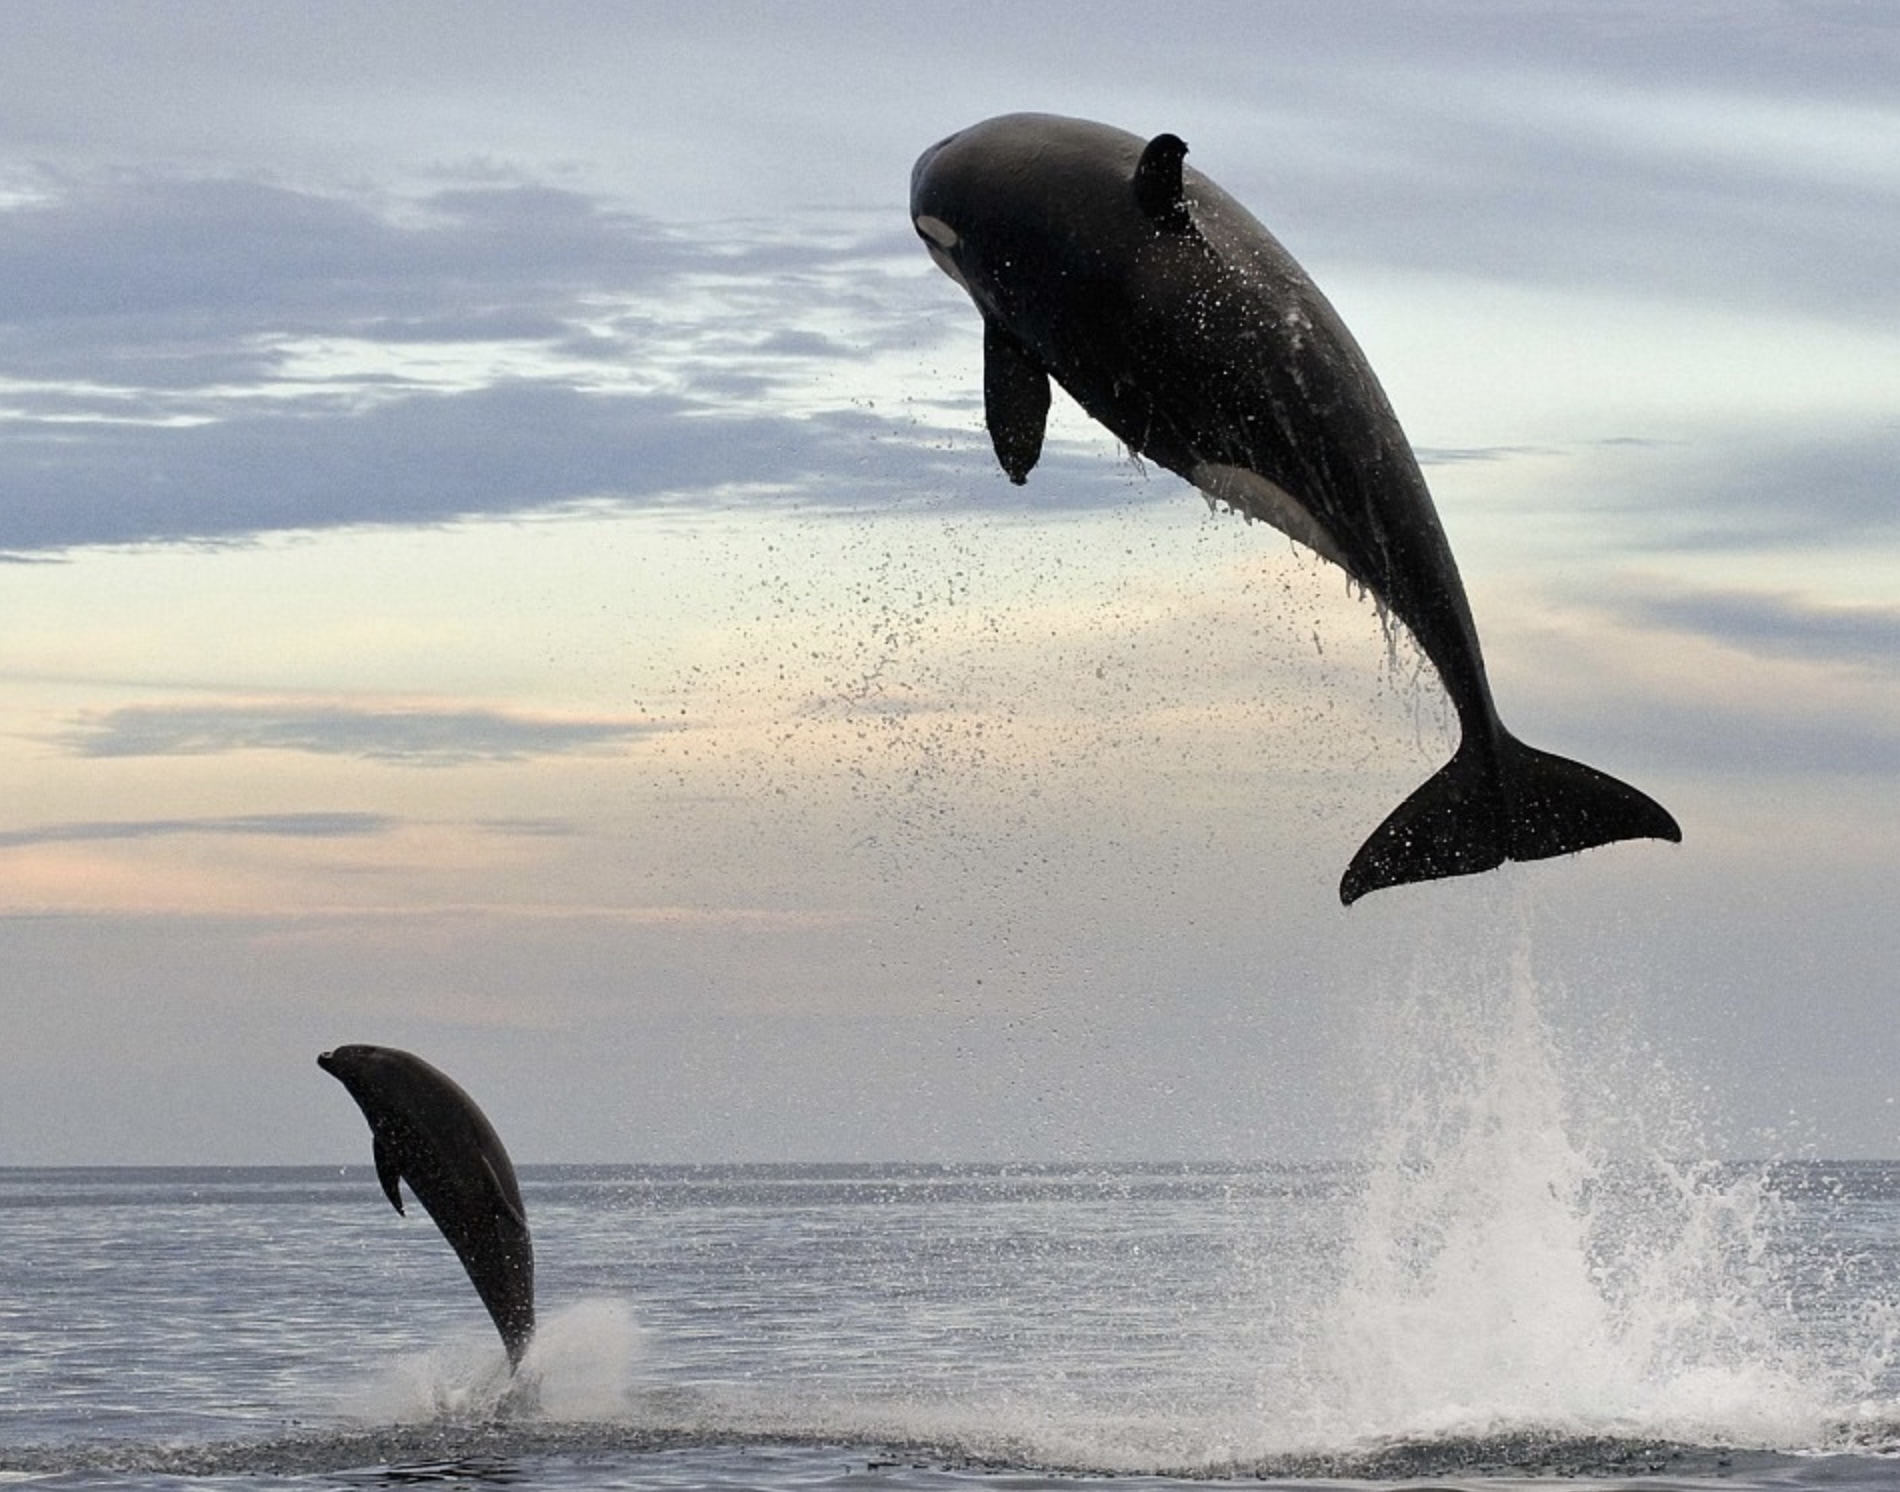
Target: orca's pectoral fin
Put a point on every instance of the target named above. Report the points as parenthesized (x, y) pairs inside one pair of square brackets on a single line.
[(1468, 818), (1015, 400), (388, 1171)]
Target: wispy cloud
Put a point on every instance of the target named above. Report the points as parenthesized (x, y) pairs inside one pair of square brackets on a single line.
[(1779, 625), (1460, 455), (249, 825), (186, 359), (411, 737), (126, 257), (425, 458), (1806, 487), (1710, 681)]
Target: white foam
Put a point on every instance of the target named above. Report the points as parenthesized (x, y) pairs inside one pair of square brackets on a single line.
[(584, 1364), (586, 1361)]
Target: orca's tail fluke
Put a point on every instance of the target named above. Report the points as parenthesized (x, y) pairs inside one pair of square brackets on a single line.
[(1480, 810)]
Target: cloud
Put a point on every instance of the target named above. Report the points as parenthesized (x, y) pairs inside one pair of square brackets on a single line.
[(1779, 625), (529, 828), (1824, 484), (1765, 735), (1463, 455), (1640, 150), (143, 252), (213, 357), (426, 458), (262, 825), (209, 360), (1835, 489), (411, 737), (1702, 682)]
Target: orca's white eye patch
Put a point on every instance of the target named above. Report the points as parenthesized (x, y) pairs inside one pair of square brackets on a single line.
[(937, 231), (948, 265)]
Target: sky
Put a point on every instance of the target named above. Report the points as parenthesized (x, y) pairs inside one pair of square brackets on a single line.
[(499, 556)]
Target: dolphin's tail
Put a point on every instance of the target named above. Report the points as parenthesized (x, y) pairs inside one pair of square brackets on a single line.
[(1471, 816)]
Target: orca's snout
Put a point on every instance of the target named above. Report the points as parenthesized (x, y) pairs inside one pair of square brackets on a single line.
[(922, 169), (327, 1061)]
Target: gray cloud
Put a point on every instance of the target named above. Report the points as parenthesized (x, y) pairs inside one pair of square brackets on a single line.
[(155, 307), (425, 458), (1840, 726), (1769, 738), (1636, 148), (149, 325), (408, 737), (529, 828), (261, 825), (1762, 489), (1465, 455), (1709, 150), (148, 308), (156, 251), (1781, 626)]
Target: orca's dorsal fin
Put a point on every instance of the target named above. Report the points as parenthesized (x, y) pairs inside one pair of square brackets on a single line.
[(1159, 191), (388, 1171)]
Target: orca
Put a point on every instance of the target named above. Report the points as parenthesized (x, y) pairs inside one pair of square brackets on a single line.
[(1175, 319), (426, 1131)]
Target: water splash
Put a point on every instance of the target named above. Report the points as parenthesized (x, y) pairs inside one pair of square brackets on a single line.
[(586, 1361), (1532, 1254), (584, 1364)]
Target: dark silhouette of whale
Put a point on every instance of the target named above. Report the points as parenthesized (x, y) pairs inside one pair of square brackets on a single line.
[(426, 1131), (1176, 320)]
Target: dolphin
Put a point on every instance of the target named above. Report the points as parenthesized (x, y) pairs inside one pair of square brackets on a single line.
[(426, 1131), (1175, 319)]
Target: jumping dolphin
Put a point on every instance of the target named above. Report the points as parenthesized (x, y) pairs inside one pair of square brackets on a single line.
[(426, 1131), (1181, 324)]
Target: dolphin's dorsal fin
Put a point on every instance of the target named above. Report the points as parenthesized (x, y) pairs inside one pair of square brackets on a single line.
[(388, 1171), (1159, 191), (1015, 400)]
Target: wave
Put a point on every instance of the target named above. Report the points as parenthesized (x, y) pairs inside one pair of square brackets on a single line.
[(502, 1449)]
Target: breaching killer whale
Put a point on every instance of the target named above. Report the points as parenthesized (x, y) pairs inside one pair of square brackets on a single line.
[(426, 1131), (1175, 319)]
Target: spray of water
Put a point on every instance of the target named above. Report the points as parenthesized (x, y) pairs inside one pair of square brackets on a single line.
[(1534, 1254), (583, 1365)]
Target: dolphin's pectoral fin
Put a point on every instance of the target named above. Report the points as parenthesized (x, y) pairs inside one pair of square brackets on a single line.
[(1159, 190), (1015, 400), (388, 1171), (1469, 817)]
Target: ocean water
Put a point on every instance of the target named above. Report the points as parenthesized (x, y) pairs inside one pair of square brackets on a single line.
[(1521, 1279)]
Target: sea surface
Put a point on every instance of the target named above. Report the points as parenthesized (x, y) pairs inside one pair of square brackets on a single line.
[(1528, 1274), (911, 1327)]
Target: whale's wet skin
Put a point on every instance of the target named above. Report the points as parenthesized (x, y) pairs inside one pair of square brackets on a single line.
[(1505, 1286)]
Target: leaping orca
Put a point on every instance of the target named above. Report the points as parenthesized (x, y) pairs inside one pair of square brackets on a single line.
[(1176, 320)]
